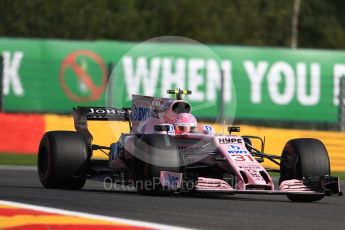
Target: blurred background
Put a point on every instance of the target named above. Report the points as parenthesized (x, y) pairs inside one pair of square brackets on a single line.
[(250, 23), (281, 62)]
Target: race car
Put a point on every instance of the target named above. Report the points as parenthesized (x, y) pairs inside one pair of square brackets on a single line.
[(166, 152)]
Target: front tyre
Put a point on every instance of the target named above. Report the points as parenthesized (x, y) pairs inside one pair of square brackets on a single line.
[(63, 158), (301, 158)]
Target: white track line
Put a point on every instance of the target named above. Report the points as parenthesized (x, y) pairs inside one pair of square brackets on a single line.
[(18, 167), (92, 216)]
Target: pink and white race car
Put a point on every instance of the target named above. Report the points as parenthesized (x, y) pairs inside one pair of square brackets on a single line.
[(167, 152)]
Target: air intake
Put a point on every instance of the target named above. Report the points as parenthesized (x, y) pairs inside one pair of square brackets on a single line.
[(181, 107)]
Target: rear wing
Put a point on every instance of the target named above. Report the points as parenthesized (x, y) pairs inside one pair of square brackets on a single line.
[(82, 114)]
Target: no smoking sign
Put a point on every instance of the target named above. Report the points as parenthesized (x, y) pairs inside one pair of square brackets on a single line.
[(87, 80)]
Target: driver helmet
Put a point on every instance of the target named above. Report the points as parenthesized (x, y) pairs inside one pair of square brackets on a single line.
[(185, 123)]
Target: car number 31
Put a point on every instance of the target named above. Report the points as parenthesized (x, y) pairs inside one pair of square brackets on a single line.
[(241, 157)]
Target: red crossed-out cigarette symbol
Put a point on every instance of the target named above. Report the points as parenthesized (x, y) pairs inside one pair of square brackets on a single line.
[(84, 77)]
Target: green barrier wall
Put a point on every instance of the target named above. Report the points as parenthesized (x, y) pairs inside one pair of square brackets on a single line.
[(260, 83)]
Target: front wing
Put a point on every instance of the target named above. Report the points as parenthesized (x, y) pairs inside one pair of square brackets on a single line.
[(314, 185)]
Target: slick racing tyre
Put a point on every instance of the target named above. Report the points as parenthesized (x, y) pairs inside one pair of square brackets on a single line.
[(302, 158), (154, 153), (63, 158)]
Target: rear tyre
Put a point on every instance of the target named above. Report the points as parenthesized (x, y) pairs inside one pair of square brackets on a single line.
[(154, 153), (302, 158), (63, 158)]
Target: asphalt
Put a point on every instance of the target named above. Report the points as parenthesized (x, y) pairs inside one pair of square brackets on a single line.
[(201, 212)]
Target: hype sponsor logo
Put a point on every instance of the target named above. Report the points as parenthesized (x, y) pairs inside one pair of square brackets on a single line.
[(234, 149), (230, 140)]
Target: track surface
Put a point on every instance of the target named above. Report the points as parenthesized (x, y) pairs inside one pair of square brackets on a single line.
[(202, 212)]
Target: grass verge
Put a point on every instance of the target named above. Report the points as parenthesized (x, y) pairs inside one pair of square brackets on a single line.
[(18, 159)]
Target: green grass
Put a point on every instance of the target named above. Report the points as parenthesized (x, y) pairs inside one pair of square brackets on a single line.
[(17, 159), (339, 174)]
